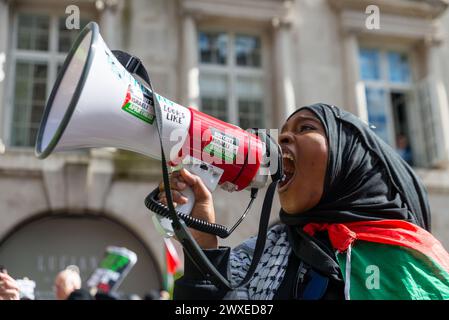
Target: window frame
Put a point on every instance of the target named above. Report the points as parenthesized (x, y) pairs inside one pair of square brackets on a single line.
[(386, 84), (52, 58), (231, 71)]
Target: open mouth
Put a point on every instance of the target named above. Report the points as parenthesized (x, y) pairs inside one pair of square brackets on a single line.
[(288, 162)]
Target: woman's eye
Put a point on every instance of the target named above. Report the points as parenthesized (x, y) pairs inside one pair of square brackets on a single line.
[(306, 127)]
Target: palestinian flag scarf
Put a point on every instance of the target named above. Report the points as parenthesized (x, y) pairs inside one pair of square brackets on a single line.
[(388, 259)]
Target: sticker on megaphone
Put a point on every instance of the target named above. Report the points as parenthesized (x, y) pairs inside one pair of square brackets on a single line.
[(114, 267)]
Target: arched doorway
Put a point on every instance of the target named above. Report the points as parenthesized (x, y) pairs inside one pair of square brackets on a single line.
[(41, 247)]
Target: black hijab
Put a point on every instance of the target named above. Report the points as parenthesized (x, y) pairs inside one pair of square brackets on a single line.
[(365, 180)]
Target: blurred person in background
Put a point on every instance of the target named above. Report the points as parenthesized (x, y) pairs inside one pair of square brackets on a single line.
[(66, 282), (9, 290), (403, 148), (157, 295)]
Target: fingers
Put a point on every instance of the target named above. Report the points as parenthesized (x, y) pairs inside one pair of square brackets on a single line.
[(177, 197), (6, 279), (179, 180), (7, 284), (176, 182), (8, 288), (9, 294), (195, 182)]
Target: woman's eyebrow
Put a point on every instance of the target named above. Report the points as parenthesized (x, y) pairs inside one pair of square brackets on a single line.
[(303, 118), (283, 127)]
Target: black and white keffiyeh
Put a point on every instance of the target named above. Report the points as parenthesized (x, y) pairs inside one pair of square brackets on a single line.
[(272, 266)]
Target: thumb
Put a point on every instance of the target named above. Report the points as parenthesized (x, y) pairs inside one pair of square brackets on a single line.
[(199, 188)]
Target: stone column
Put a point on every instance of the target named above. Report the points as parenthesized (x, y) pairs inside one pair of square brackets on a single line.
[(355, 95), (4, 34), (99, 178), (439, 101), (110, 22), (54, 181), (189, 63), (285, 94)]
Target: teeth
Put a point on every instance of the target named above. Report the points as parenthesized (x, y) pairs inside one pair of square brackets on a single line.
[(288, 156)]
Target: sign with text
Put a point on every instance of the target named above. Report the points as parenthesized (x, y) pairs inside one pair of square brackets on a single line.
[(116, 264)]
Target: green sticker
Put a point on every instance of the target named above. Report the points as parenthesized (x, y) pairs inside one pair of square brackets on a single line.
[(138, 105), (222, 145), (114, 262)]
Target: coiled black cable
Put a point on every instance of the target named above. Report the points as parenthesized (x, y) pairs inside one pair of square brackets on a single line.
[(152, 203)]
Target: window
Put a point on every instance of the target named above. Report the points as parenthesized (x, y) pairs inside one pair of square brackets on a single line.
[(369, 64), (40, 44), (213, 48), (398, 67), (388, 91), (231, 77), (214, 95), (249, 93), (247, 51)]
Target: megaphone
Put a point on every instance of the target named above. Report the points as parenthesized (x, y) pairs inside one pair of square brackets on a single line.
[(96, 102)]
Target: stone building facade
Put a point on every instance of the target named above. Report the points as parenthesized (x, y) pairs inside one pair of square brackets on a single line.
[(249, 62)]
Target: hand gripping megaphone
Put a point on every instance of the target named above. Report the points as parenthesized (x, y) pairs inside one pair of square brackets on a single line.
[(98, 102)]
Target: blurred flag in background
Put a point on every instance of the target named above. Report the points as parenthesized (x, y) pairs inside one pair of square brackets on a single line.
[(172, 263)]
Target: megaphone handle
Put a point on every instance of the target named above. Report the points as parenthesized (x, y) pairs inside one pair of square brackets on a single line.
[(209, 174), (187, 207)]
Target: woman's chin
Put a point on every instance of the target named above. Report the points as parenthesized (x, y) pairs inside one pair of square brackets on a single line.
[(287, 212), (283, 200), (288, 208)]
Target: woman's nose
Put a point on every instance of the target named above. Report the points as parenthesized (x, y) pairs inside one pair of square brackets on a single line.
[(285, 138)]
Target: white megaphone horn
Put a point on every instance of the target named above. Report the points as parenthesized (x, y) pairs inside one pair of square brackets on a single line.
[(95, 102)]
